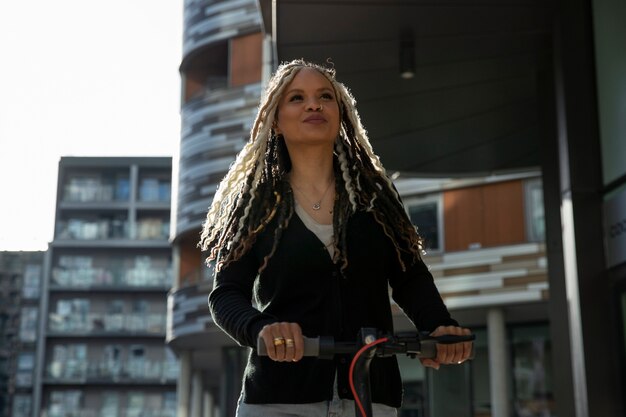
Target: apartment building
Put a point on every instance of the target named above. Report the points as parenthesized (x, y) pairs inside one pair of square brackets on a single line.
[(103, 303), (20, 288)]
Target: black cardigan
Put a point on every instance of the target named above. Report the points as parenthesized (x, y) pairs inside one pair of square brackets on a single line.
[(301, 284)]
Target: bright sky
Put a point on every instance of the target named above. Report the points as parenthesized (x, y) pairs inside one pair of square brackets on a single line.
[(80, 78)]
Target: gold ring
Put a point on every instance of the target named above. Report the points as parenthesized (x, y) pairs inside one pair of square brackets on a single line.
[(290, 342), (279, 341)]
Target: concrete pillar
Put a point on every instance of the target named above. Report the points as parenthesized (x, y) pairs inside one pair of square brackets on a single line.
[(196, 394), (498, 363), (184, 382)]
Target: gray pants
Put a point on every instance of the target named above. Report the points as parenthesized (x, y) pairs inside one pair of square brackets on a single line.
[(335, 408)]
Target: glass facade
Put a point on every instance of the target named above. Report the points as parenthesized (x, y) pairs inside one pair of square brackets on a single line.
[(535, 216), (425, 215), (532, 376)]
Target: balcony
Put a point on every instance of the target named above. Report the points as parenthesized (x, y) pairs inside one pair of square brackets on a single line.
[(75, 371), (215, 21), (511, 274), (93, 324), (108, 412), (94, 190), (93, 229), (106, 278), (113, 230), (189, 321)]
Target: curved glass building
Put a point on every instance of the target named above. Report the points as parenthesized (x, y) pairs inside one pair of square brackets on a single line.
[(221, 73)]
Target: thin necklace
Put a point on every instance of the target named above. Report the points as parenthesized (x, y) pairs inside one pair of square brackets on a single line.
[(314, 205)]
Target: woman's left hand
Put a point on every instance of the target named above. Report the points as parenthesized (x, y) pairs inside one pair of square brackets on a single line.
[(455, 353)]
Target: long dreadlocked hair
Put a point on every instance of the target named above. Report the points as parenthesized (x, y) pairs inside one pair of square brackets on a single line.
[(255, 190)]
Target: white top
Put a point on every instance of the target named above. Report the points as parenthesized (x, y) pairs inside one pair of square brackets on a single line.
[(324, 232)]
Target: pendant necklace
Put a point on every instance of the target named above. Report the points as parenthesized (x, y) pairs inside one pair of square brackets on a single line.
[(315, 205)]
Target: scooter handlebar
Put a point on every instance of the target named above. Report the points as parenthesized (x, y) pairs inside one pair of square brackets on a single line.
[(325, 347)]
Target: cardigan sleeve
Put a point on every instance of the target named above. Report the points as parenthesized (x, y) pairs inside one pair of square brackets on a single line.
[(230, 301), (415, 292)]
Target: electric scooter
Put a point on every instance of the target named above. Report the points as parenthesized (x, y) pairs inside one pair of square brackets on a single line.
[(371, 342)]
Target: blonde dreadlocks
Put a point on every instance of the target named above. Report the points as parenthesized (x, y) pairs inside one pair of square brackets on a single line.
[(255, 190)]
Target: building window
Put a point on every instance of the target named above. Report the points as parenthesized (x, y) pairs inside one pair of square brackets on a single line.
[(481, 387), (103, 226), (65, 403), (623, 311), (169, 404), (535, 217), (137, 361), (110, 404), (32, 281), (154, 186), (28, 324), (83, 187), (425, 213), (532, 376), (22, 405), (25, 366), (415, 384), (71, 316), (135, 404), (69, 362)]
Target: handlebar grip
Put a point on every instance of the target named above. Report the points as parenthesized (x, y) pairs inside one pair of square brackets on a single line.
[(311, 346), (428, 349)]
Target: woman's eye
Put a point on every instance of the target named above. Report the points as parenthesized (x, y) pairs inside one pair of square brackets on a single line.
[(295, 97), (327, 96)]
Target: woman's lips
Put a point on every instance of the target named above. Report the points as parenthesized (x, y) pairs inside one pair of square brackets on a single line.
[(316, 119)]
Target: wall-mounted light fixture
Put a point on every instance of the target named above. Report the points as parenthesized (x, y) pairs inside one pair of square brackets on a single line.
[(407, 54)]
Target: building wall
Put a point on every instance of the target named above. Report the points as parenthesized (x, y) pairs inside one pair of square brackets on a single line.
[(20, 288), (484, 216)]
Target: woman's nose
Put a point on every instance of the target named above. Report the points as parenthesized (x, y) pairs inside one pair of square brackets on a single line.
[(314, 105)]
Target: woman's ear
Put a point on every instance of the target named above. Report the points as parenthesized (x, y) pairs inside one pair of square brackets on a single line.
[(276, 129)]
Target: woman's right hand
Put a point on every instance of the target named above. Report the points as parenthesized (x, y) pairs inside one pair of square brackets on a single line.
[(283, 341)]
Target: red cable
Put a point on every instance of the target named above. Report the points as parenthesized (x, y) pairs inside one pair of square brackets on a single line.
[(351, 380)]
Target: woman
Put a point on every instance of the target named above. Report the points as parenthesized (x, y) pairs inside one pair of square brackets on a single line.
[(308, 225)]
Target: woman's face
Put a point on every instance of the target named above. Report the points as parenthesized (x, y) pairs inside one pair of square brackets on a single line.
[(308, 112)]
